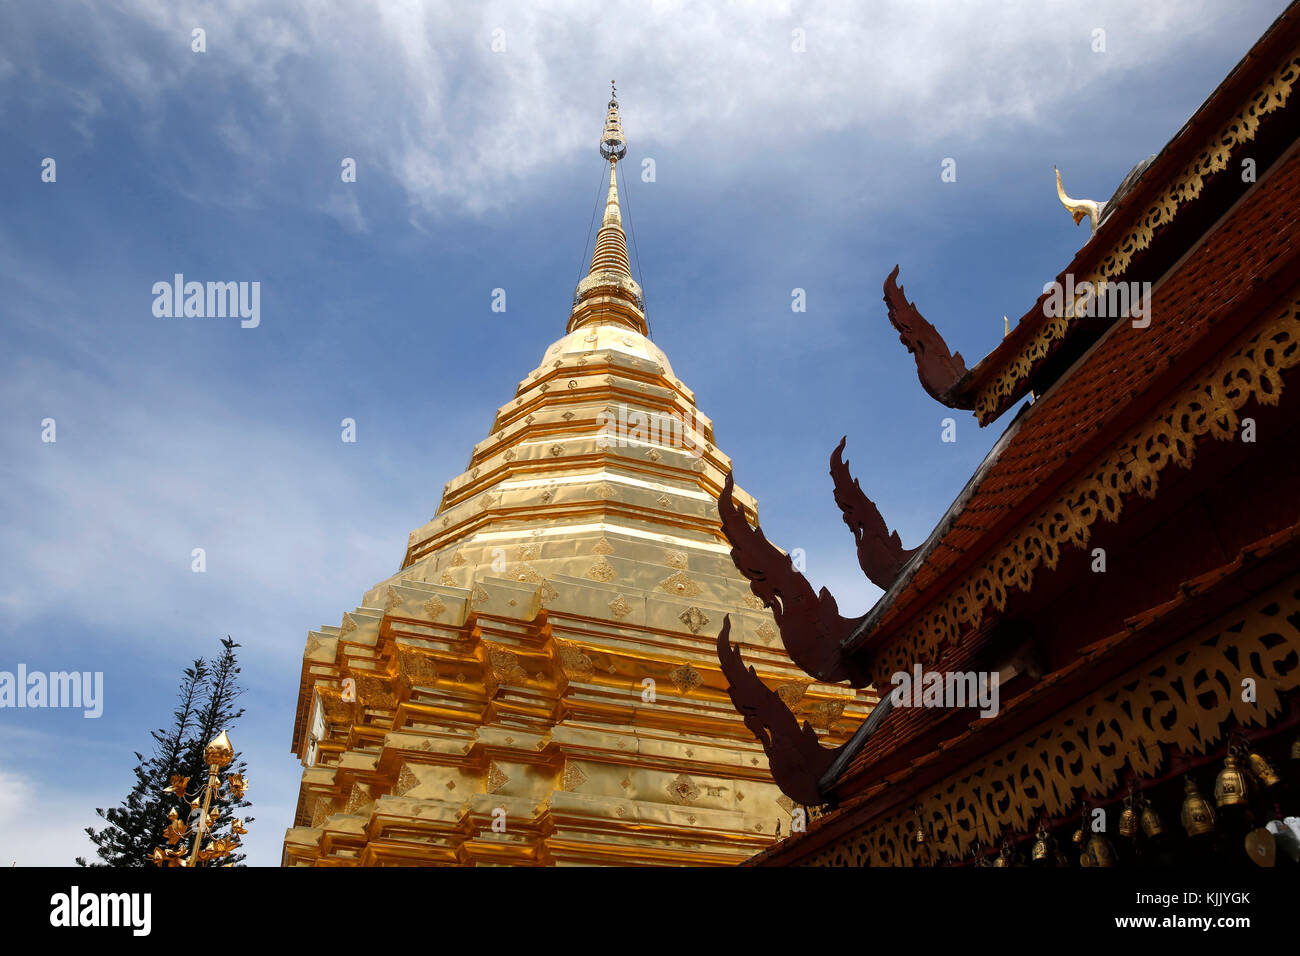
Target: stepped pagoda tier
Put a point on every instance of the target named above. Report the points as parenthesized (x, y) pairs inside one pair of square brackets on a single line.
[(537, 683)]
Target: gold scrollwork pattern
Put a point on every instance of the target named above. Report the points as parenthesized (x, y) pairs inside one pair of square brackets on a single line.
[(1212, 158), (1250, 370), (1184, 696)]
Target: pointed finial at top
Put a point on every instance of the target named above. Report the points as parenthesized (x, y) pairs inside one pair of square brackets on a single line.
[(609, 294), (613, 146)]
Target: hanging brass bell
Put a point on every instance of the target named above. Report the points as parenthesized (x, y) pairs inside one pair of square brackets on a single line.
[(1231, 788), (1128, 821), (1042, 851), (1262, 771), (1004, 857), (1080, 837), (1150, 820), (918, 835), (1100, 851), (1197, 814), (1295, 749)]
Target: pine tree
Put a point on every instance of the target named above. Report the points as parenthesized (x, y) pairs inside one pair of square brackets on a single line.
[(137, 826), (205, 707), (218, 713)]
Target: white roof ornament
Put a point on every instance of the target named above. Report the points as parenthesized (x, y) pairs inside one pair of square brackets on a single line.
[(1079, 207)]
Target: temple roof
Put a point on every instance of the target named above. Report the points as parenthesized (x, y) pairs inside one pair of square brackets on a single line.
[(1155, 195), (1196, 602), (1118, 403), (1130, 370)]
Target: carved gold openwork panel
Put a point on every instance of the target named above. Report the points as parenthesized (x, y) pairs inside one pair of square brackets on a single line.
[(1213, 158), (1251, 370), (1183, 696)]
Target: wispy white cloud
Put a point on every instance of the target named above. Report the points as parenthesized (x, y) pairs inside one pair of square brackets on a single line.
[(417, 91), (40, 826), (115, 507)]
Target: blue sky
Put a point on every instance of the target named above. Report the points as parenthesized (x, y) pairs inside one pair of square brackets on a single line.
[(477, 170)]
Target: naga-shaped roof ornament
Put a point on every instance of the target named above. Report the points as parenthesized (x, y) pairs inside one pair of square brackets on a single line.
[(809, 621), (881, 554), (812, 631), (938, 368), (797, 761)]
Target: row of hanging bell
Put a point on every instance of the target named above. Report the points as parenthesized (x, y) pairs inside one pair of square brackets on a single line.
[(1139, 815), (1244, 771), (1232, 787)]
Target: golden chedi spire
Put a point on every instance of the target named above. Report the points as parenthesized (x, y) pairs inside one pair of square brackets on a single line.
[(609, 295), (537, 683)]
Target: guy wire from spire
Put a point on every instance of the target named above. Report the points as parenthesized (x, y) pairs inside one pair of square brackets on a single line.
[(636, 252), (594, 206)]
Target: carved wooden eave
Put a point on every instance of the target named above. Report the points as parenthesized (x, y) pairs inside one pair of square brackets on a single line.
[(797, 761), (938, 368), (817, 638), (1148, 227), (810, 623), (881, 554), (869, 622), (812, 631)]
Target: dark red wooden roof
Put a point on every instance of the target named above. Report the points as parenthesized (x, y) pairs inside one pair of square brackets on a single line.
[(1235, 88), (1128, 374), (859, 807)]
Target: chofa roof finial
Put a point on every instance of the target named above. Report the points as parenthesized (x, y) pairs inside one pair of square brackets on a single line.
[(1078, 207)]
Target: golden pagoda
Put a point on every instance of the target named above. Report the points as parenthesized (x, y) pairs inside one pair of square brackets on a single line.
[(538, 683)]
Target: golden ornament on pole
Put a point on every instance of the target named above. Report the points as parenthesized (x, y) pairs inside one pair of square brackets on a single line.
[(219, 753)]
